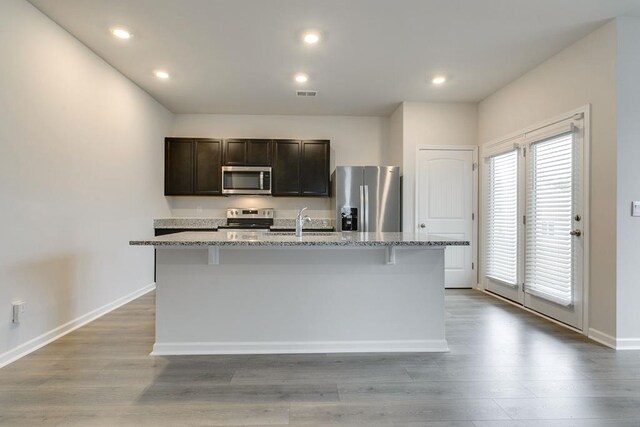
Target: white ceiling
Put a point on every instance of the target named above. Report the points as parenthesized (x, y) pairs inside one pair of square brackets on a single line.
[(239, 56)]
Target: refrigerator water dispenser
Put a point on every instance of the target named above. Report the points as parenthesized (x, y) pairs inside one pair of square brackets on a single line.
[(349, 219)]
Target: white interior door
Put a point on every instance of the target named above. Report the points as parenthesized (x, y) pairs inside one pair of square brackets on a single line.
[(445, 207), (553, 232)]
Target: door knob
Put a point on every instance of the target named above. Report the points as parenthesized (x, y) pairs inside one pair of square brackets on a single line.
[(576, 233), (423, 225)]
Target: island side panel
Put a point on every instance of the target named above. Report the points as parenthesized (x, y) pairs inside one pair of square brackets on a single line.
[(299, 299)]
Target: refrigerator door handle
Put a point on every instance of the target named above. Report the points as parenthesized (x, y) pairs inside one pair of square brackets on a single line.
[(366, 207), (361, 210)]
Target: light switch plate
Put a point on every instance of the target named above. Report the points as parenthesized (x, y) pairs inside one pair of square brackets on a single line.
[(18, 309), (635, 208)]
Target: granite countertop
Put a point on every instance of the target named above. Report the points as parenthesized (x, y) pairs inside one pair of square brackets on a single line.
[(249, 238), (208, 223)]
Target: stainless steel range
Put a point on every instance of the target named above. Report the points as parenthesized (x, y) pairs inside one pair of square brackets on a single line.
[(248, 219)]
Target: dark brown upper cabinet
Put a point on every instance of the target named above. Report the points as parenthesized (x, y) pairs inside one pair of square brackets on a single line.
[(285, 169), (301, 168), (208, 163), (192, 166), (247, 152), (314, 168), (178, 166)]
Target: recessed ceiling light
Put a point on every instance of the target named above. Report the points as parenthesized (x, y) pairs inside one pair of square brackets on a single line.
[(438, 80), (301, 78), (311, 37), (121, 33), (161, 74)]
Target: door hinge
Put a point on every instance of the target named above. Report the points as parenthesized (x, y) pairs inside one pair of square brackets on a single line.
[(474, 165), (524, 151), (473, 266), (524, 220), (473, 216)]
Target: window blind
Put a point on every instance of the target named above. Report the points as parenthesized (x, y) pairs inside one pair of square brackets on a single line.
[(549, 248), (502, 218)]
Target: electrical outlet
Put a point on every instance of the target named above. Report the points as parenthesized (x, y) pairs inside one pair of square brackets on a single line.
[(18, 309)]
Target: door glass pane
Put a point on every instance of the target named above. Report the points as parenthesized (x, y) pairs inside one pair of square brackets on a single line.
[(502, 218), (549, 247)]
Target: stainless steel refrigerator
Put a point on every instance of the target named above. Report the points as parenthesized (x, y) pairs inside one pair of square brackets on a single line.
[(366, 198)]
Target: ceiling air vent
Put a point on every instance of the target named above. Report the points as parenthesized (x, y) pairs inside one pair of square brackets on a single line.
[(306, 92)]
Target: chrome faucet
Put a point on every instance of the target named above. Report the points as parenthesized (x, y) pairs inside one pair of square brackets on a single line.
[(300, 220)]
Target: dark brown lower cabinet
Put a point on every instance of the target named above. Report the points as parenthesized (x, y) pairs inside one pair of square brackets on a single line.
[(165, 231)]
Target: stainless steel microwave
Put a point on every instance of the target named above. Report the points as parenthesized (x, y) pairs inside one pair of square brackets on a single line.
[(246, 180)]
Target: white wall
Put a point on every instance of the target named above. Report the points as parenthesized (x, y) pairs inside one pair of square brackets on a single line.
[(393, 150), (583, 73), (628, 180), (431, 124), (80, 175), (354, 141)]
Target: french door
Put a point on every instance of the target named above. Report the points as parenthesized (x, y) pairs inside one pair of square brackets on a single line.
[(535, 217), (503, 213), (553, 227)]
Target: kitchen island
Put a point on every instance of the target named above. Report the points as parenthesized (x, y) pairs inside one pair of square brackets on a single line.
[(249, 293)]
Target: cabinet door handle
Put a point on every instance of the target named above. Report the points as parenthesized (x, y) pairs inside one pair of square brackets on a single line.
[(423, 225)]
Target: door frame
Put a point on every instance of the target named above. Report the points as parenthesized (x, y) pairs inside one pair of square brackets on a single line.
[(474, 196), (585, 110)]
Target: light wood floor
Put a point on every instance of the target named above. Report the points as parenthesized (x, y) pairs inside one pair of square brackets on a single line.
[(506, 368)]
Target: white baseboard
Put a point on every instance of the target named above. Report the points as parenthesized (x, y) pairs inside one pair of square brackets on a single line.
[(44, 339), (190, 348), (628, 344), (615, 343)]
